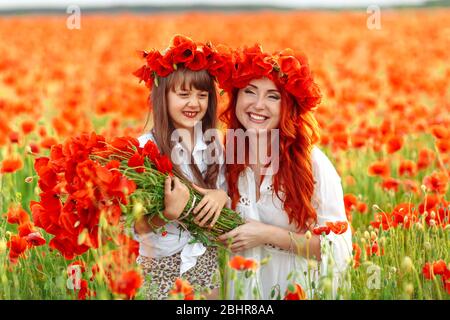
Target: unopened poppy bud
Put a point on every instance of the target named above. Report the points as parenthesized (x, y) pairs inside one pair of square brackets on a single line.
[(327, 285), (373, 236), (409, 289), (407, 264), (312, 264), (432, 222), (424, 188), (308, 235), (367, 235), (419, 226), (363, 240), (432, 215), (138, 210), (2, 246)]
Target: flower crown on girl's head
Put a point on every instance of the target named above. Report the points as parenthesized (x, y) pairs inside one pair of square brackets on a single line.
[(185, 52), (285, 68)]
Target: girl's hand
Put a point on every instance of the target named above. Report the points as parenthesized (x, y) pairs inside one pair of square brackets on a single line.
[(249, 235), (210, 206), (175, 199)]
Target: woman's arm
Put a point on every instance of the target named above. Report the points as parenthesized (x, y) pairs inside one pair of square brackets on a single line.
[(255, 233)]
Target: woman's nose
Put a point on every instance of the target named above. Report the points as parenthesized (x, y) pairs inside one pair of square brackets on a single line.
[(260, 105)]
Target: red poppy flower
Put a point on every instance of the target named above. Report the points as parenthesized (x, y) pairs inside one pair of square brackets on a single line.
[(16, 215), (184, 288), (28, 126), (361, 207), (199, 61), (350, 202), (379, 168), (356, 255), (240, 263), (394, 144), (374, 249), (337, 227), (439, 267), (35, 239), (126, 283), (439, 131), (137, 161), (297, 294), (407, 167), (437, 182), (17, 246), (426, 157), (427, 271), (390, 184), (10, 165), (163, 164), (320, 230)]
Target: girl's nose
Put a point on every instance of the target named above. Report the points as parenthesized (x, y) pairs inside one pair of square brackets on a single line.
[(194, 101)]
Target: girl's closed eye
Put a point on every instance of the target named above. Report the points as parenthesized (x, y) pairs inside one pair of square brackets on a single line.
[(203, 95), (249, 91), (183, 94)]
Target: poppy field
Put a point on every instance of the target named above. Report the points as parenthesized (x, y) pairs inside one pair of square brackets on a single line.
[(384, 120)]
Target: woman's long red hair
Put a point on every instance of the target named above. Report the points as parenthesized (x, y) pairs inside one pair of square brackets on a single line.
[(298, 134)]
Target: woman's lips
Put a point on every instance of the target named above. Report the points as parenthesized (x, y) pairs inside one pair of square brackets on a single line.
[(257, 118)]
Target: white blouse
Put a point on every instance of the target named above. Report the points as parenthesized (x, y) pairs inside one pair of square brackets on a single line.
[(329, 205), (177, 239)]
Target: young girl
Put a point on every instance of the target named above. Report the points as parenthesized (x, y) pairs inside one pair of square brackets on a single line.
[(184, 103), (283, 206)]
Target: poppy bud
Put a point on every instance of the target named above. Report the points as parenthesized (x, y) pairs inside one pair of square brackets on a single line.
[(407, 264), (409, 289), (308, 235)]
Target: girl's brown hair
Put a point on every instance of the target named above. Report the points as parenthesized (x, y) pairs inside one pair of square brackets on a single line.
[(162, 124)]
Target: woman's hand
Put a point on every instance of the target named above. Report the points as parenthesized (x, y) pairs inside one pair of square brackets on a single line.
[(249, 235), (210, 206), (175, 199)]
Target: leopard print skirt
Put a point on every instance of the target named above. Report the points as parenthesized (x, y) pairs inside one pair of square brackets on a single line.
[(160, 273)]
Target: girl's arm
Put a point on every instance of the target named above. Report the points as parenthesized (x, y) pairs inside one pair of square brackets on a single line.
[(175, 201)]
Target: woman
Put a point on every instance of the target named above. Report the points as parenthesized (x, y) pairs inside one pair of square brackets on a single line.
[(283, 203)]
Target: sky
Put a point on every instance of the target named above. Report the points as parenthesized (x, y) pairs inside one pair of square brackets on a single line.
[(13, 4)]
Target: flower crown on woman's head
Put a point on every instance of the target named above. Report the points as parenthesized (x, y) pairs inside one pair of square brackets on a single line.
[(284, 67), (185, 52)]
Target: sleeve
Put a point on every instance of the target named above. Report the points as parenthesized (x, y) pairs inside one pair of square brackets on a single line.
[(328, 200)]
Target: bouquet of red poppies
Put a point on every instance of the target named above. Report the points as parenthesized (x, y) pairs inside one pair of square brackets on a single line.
[(88, 184)]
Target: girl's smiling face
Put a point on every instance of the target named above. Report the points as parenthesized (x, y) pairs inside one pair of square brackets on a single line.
[(258, 105), (186, 106)]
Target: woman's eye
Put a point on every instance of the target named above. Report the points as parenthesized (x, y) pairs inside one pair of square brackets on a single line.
[(274, 97), (249, 91), (203, 96), (183, 94)]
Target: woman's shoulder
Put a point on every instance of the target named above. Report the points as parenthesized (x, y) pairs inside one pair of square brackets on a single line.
[(323, 168), (143, 139)]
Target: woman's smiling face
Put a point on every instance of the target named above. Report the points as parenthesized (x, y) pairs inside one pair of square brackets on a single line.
[(258, 105)]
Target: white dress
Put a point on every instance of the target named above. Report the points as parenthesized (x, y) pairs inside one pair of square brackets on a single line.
[(329, 205), (154, 245)]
